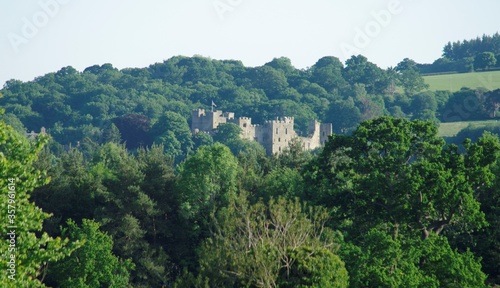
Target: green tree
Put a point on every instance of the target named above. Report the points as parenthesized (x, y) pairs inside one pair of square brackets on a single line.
[(409, 77), (11, 120), (207, 180), (111, 133), (327, 72), (171, 129), (397, 171), (271, 80), (93, 264), (485, 60), (266, 245), (344, 116), (26, 248), (227, 132), (380, 260), (315, 268), (134, 129), (74, 192), (127, 212), (202, 139), (359, 70), (397, 176)]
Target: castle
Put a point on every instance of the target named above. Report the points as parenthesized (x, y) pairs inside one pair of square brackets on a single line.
[(274, 135)]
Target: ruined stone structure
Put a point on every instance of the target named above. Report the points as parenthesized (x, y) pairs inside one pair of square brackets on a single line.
[(33, 134), (274, 135)]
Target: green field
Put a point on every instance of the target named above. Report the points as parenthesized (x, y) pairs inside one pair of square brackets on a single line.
[(451, 129), (453, 82)]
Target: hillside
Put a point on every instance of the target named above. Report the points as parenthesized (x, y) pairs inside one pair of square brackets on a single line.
[(489, 80), (451, 129), (167, 206)]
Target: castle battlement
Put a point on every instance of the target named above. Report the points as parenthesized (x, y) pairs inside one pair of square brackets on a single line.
[(282, 120), (274, 135)]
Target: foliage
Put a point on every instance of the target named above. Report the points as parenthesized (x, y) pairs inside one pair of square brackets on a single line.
[(134, 129), (380, 260), (256, 245), (207, 182), (314, 268), (469, 48), (93, 264), (409, 77), (172, 130), (26, 248), (364, 175), (485, 60), (188, 210)]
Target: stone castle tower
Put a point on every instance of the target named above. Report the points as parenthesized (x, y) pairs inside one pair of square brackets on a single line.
[(274, 135)]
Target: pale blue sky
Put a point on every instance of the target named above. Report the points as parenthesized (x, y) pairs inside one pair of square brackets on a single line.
[(36, 39)]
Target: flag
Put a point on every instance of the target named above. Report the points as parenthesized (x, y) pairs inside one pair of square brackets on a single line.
[(213, 104)]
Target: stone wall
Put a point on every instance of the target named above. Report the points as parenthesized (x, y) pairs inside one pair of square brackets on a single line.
[(274, 135)]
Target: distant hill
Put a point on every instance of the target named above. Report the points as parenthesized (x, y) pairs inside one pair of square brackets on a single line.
[(489, 80)]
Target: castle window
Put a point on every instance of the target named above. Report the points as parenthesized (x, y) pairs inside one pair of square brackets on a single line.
[(286, 131), (279, 139), (245, 125), (323, 133), (276, 130)]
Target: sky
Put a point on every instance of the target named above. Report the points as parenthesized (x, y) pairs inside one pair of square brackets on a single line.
[(42, 36)]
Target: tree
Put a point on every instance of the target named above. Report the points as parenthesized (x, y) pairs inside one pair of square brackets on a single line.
[(284, 64), (485, 60), (227, 132), (126, 212), (344, 116), (202, 139), (315, 268), (134, 129), (93, 264), (283, 243), (27, 249), (399, 178), (397, 171), (327, 72), (359, 70), (207, 180), (74, 191), (409, 77), (424, 106), (381, 260), (271, 80), (111, 133), (172, 130), (11, 120)]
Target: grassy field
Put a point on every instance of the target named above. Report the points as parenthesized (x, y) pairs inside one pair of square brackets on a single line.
[(453, 82), (451, 129)]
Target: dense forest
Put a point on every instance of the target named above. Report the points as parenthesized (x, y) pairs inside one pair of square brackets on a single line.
[(119, 193), (476, 54), (152, 104)]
